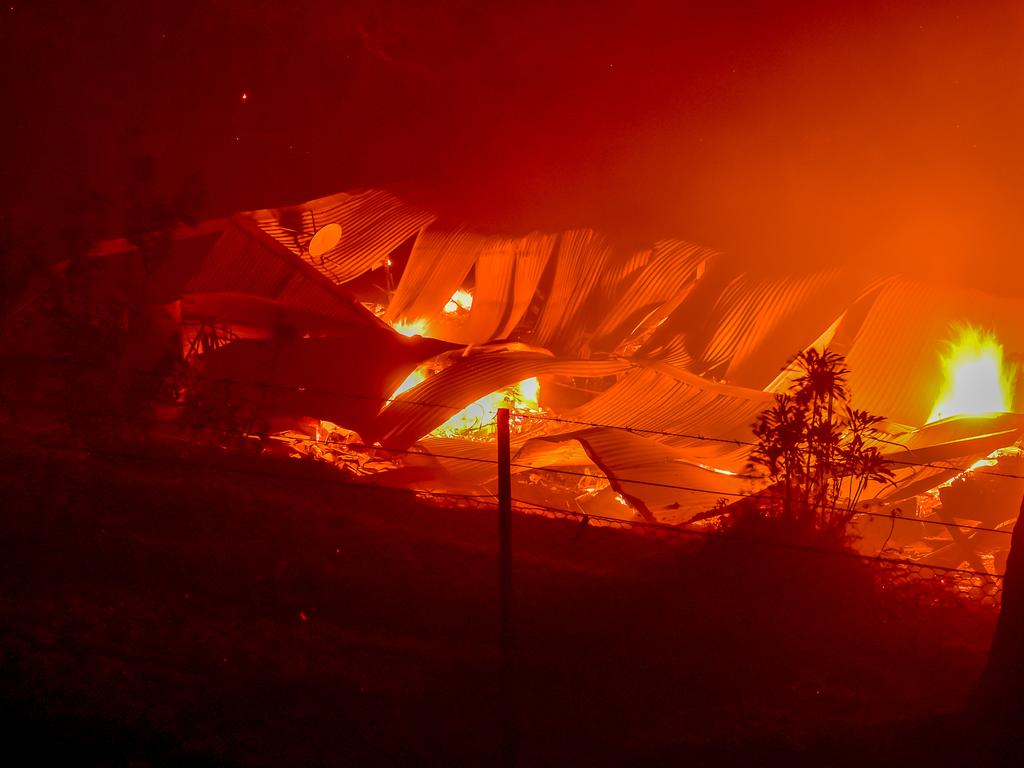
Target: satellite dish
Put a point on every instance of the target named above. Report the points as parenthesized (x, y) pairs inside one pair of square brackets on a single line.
[(324, 240)]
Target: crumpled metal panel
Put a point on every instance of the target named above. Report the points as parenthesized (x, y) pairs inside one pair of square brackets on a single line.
[(507, 273), (437, 266), (671, 400), (660, 482), (244, 261), (744, 329), (669, 272), (373, 223), (580, 259), (420, 410)]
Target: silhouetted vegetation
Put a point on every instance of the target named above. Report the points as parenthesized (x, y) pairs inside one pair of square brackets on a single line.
[(249, 608), (79, 327), (817, 450)]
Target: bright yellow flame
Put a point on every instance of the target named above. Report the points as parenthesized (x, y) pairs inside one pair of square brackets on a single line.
[(982, 463), (417, 327), (528, 390), (411, 381), (479, 417), (976, 379), (460, 301)]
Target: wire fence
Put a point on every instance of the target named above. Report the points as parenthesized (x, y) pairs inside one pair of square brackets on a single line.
[(660, 530), (197, 376), (897, 574), (351, 444)]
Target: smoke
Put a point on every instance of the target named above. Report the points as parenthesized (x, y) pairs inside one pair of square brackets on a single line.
[(791, 135)]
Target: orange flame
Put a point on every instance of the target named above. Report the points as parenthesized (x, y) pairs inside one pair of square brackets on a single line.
[(976, 379)]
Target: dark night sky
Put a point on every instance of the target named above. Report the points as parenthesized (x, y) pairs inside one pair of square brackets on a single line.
[(786, 133)]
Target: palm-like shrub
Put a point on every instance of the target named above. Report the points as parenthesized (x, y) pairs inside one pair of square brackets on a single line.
[(816, 448)]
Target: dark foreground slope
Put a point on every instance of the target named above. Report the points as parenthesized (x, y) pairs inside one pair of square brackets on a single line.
[(166, 611)]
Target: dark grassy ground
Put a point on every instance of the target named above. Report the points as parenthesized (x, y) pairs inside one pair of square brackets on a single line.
[(163, 610)]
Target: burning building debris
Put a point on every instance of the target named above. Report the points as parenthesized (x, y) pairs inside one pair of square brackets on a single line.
[(357, 330)]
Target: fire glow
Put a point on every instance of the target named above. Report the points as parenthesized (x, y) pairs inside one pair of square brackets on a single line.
[(417, 327), (461, 301), (976, 379), (479, 417)]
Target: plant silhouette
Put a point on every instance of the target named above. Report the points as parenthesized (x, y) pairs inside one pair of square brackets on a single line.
[(817, 449)]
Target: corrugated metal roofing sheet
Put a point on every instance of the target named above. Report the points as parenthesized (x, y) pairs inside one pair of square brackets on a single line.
[(894, 358), (426, 406), (507, 274), (373, 224), (437, 266), (669, 273), (580, 261), (243, 262), (661, 482), (673, 400)]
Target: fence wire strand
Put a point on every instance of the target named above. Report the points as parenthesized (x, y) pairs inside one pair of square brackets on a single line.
[(900, 573)]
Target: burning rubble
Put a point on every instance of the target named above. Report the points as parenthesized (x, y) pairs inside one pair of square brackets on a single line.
[(357, 330)]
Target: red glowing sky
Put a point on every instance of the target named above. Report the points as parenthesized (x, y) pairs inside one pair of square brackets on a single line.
[(791, 134)]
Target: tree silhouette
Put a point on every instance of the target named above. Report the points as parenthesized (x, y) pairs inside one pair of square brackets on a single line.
[(817, 449)]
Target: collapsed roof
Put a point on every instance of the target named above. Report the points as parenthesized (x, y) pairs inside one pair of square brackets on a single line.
[(652, 363)]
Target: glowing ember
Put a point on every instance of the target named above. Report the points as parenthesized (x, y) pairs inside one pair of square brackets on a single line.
[(976, 379), (417, 327), (461, 301), (716, 470)]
